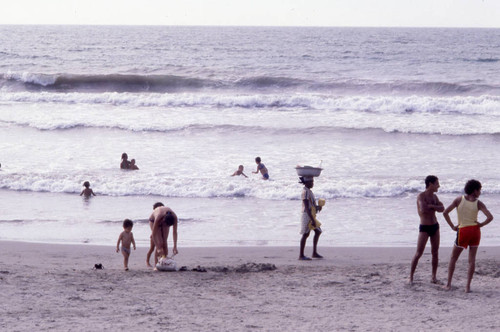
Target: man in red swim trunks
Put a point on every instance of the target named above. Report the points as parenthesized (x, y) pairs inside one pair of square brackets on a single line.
[(428, 204)]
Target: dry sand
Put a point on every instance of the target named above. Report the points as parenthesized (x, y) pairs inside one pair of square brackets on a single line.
[(54, 288)]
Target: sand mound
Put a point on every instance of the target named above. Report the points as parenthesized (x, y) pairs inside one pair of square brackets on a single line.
[(245, 268)]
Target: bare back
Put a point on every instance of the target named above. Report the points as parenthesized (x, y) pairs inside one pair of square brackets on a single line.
[(160, 230), (127, 238), (158, 216)]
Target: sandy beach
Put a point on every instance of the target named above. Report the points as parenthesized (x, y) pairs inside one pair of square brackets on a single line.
[(53, 287)]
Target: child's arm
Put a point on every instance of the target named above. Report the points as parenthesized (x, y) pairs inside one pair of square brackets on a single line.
[(133, 241), (82, 192), (92, 192), (118, 243)]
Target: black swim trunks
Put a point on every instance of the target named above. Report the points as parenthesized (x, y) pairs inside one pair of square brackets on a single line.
[(429, 229)]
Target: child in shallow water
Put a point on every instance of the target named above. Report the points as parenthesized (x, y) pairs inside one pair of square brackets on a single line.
[(133, 165), (126, 238), (87, 192), (261, 168), (239, 171)]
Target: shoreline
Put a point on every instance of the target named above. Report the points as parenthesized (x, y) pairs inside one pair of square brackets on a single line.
[(378, 222), (53, 287), (281, 255)]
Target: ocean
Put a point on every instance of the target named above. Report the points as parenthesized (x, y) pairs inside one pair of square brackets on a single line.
[(378, 108)]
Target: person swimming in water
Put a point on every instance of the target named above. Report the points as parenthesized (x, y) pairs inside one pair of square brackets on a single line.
[(125, 164), (132, 165), (261, 168), (87, 192), (239, 171)]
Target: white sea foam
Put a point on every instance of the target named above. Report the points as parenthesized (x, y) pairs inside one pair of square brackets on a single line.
[(283, 188), (32, 78), (449, 115), (477, 105)]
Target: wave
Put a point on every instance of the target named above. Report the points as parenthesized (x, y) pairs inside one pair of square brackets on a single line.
[(109, 82), (485, 60), (469, 105), (138, 112), (68, 82), (284, 188), (228, 129)]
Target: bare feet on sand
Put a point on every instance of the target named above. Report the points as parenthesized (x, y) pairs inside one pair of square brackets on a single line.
[(436, 281)]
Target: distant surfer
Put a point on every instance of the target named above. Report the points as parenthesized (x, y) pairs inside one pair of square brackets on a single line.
[(427, 205), (261, 168), (239, 171), (162, 219), (308, 219)]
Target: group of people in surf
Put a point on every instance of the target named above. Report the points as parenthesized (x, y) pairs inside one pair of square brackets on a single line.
[(126, 164)]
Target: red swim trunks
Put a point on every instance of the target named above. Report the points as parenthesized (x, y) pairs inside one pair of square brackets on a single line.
[(468, 236)]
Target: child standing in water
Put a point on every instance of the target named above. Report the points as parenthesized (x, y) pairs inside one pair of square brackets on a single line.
[(132, 165), (261, 168), (87, 192), (126, 238)]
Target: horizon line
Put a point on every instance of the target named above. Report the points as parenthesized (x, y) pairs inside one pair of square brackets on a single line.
[(248, 26)]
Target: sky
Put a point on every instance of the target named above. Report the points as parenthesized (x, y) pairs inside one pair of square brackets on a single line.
[(372, 13)]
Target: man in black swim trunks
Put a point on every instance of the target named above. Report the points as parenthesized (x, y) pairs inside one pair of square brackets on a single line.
[(428, 204)]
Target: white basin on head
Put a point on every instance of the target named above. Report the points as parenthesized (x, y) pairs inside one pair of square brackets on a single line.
[(308, 171)]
